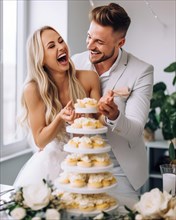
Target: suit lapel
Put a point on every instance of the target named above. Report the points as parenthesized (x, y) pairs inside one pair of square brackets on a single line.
[(117, 72)]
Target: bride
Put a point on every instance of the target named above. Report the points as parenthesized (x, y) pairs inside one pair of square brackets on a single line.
[(51, 87)]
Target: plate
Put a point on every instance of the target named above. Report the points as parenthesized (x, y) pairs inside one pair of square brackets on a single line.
[(86, 110), (83, 190), (99, 150), (76, 212), (86, 131), (77, 169)]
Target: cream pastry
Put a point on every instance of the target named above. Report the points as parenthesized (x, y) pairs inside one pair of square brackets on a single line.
[(64, 178), (101, 159), (86, 103), (77, 180), (72, 159), (97, 141), (85, 142), (95, 180), (85, 161), (74, 142), (86, 204)]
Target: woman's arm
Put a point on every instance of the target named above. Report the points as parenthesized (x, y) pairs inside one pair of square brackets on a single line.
[(42, 133)]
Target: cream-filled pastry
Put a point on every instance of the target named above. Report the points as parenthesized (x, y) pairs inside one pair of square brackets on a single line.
[(74, 142), (85, 161), (68, 199), (85, 142), (95, 180), (64, 178), (100, 204), (97, 141), (101, 159), (86, 204), (72, 159), (108, 179), (77, 180), (86, 103)]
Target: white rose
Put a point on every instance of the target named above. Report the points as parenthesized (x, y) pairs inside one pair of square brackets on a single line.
[(36, 196), (52, 214), (36, 218), (152, 203), (138, 217), (100, 216), (171, 214), (18, 213)]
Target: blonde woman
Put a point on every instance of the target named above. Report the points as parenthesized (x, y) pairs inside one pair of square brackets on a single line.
[(51, 88)]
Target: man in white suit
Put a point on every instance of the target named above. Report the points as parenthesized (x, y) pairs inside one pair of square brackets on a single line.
[(124, 115)]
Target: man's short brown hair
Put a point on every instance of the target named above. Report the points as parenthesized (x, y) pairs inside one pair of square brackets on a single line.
[(112, 15)]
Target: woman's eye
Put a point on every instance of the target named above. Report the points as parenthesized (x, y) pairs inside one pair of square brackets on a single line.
[(61, 41), (51, 46)]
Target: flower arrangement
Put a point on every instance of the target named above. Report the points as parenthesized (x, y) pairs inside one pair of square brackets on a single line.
[(40, 202), (34, 202)]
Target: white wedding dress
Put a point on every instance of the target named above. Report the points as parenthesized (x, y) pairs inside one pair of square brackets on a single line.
[(44, 164)]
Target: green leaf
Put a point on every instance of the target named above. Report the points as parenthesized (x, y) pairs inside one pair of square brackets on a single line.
[(170, 68), (174, 81), (171, 151)]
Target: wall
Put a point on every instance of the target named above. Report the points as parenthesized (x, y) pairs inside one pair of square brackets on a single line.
[(48, 12), (151, 39)]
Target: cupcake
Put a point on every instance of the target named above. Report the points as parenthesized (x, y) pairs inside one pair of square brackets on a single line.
[(89, 123), (97, 141), (95, 180), (78, 122), (74, 142), (64, 178), (72, 159), (85, 161), (108, 179), (77, 180), (86, 204), (85, 142), (101, 160)]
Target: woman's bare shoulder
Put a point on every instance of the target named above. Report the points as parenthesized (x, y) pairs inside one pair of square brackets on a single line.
[(87, 74), (31, 90)]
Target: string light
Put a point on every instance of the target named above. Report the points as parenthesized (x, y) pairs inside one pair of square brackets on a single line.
[(154, 14), (148, 6), (91, 3)]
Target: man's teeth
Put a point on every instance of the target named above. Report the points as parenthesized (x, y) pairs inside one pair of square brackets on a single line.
[(94, 52)]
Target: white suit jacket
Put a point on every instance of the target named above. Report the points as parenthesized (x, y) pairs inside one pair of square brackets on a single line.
[(126, 139)]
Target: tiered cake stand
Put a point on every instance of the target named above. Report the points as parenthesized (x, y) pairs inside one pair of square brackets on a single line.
[(88, 170)]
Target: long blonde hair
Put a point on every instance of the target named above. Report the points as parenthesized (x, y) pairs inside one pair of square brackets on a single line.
[(46, 85)]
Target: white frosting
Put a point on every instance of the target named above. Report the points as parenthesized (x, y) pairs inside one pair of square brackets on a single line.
[(96, 178), (83, 103), (101, 157), (85, 139), (77, 176), (86, 158)]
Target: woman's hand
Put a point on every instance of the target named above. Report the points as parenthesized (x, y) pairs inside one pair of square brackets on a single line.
[(68, 113)]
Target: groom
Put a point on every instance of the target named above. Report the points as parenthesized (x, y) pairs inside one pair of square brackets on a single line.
[(125, 116)]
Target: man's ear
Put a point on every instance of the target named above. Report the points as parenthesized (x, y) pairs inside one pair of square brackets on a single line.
[(121, 42)]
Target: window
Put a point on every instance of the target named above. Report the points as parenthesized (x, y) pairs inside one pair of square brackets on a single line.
[(12, 44)]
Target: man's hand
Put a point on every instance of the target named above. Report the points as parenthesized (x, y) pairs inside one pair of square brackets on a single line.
[(107, 107)]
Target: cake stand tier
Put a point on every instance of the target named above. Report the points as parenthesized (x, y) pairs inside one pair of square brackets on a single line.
[(102, 130), (83, 190), (77, 169), (77, 212), (86, 110), (98, 150)]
